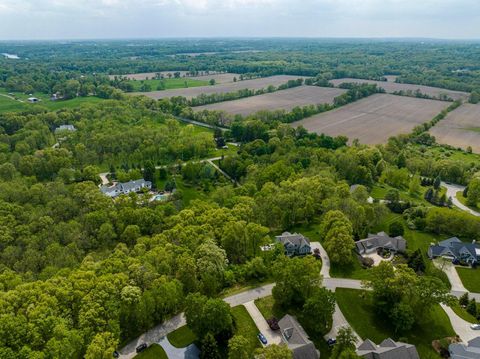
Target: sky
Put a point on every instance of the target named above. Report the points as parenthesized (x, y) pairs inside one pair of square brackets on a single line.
[(107, 19)]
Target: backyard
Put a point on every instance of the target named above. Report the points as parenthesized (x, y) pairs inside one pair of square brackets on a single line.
[(364, 321)]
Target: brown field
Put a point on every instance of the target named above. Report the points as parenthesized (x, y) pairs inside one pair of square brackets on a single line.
[(191, 92), (461, 128), (219, 78), (390, 87), (280, 100), (374, 119)]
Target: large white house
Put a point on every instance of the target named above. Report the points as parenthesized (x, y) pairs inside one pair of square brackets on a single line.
[(126, 188)]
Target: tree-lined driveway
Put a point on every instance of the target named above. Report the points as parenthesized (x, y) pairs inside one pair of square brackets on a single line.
[(452, 190)]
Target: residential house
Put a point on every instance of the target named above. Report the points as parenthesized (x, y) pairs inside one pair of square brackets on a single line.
[(61, 128), (453, 248), (296, 339), (388, 349), (295, 244), (462, 351), (126, 188), (381, 240), (33, 100)]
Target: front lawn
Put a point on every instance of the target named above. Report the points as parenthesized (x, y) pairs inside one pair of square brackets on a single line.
[(470, 278), (462, 313), (154, 351), (267, 307), (245, 326), (360, 313), (181, 337)]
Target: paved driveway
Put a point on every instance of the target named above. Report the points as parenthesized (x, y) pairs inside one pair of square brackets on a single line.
[(460, 326), (451, 273), (273, 337), (190, 352), (325, 271), (452, 190)]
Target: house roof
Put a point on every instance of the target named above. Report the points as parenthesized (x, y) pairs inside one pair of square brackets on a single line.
[(295, 239), (66, 128), (454, 247), (297, 339), (462, 351), (383, 240), (388, 349), (475, 342), (126, 187)]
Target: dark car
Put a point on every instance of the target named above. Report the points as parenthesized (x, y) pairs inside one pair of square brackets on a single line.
[(331, 342), (141, 347), (116, 354), (273, 323), (262, 338)]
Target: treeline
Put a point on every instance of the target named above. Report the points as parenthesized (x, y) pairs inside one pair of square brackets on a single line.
[(420, 94)]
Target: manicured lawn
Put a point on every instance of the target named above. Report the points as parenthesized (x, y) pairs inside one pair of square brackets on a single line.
[(380, 190), (182, 337), (360, 313), (470, 278), (170, 84), (246, 327), (9, 105), (267, 307), (463, 201), (462, 313), (154, 351)]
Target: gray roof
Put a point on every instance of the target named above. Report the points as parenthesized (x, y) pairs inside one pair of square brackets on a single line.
[(65, 128), (462, 351), (295, 239), (124, 188), (388, 349), (381, 240), (297, 339), (454, 247)]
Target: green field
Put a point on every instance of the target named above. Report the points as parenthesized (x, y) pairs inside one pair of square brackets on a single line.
[(181, 337), (246, 327), (8, 104), (470, 278), (361, 316), (169, 84), (154, 351)]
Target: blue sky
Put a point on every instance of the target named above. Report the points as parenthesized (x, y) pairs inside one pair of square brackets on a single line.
[(61, 19)]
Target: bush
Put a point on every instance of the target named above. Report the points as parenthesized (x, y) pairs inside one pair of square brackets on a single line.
[(396, 229)]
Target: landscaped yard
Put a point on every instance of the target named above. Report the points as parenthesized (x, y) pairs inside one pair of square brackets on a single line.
[(246, 327), (154, 351), (470, 278), (182, 337), (462, 313), (360, 313)]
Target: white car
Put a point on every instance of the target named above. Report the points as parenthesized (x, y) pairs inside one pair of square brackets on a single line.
[(475, 326)]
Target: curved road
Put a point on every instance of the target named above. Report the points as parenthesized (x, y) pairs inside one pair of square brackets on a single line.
[(452, 190)]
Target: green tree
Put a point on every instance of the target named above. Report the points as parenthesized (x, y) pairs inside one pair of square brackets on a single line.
[(149, 171), (396, 229), (238, 348), (346, 341), (209, 348), (473, 194), (402, 317), (211, 263), (274, 351), (317, 312), (102, 346)]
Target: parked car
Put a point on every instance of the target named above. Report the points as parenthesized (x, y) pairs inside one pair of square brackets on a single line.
[(116, 354), (273, 323), (141, 347), (331, 342), (475, 326), (262, 338)]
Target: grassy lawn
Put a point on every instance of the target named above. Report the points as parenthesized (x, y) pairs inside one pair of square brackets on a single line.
[(362, 318), (462, 313), (154, 351), (463, 201), (246, 327), (470, 278), (182, 337), (170, 84), (242, 287)]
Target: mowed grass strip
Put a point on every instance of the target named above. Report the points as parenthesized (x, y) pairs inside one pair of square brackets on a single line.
[(360, 313), (170, 84), (245, 326), (154, 351), (181, 337), (470, 278)]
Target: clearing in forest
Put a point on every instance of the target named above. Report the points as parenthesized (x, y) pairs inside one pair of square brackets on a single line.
[(254, 84), (391, 87), (374, 119), (279, 100), (461, 128)]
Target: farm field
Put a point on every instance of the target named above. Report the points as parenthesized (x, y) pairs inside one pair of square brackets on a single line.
[(220, 78), (374, 119), (461, 128), (390, 86), (254, 84), (279, 100)]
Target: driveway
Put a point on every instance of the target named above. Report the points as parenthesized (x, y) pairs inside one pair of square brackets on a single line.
[(451, 273), (190, 352), (460, 326), (452, 190), (273, 337), (325, 271), (339, 321)]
